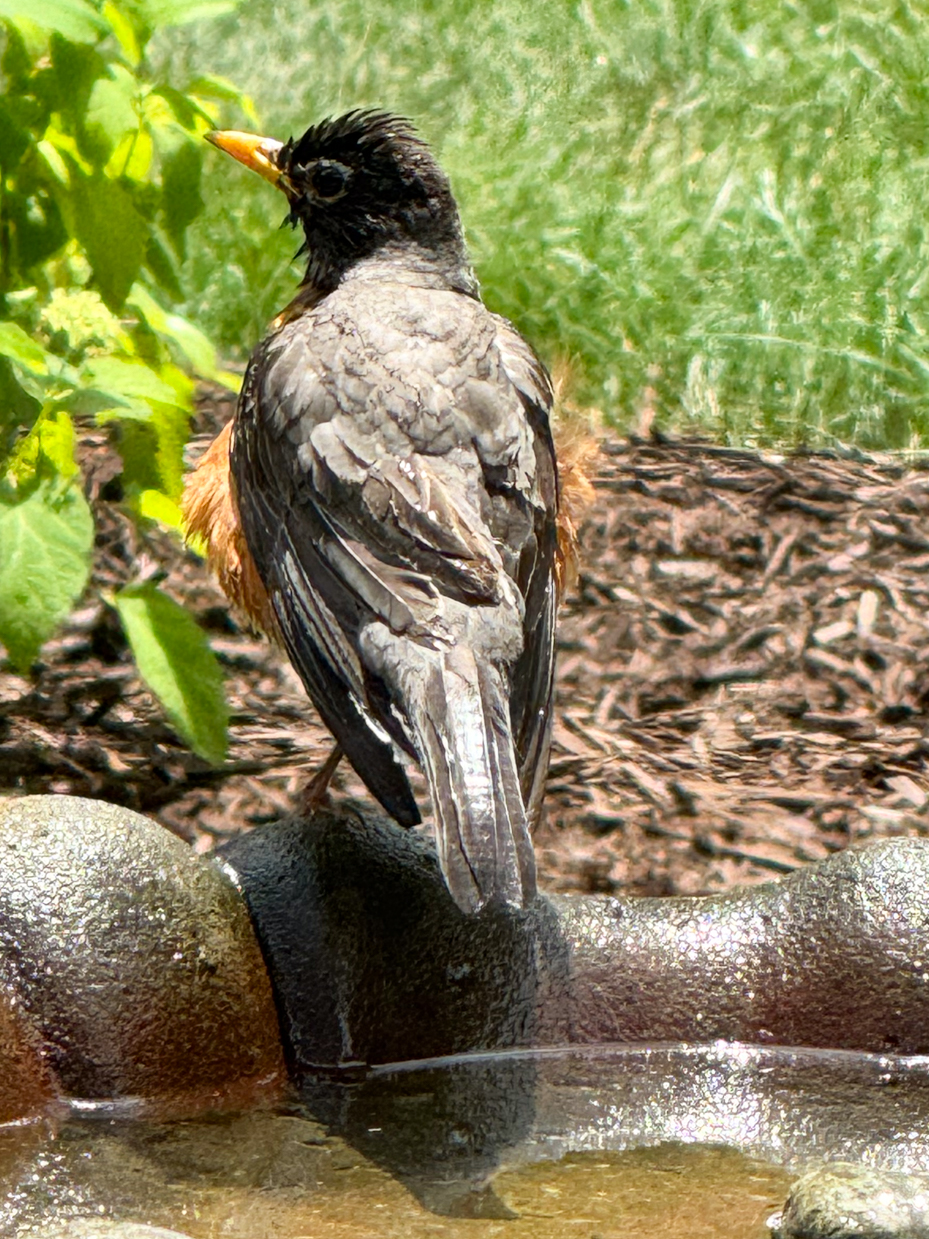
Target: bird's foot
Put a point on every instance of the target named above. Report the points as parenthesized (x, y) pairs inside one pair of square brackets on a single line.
[(316, 791)]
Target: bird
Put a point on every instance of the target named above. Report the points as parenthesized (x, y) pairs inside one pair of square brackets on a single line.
[(385, 502)]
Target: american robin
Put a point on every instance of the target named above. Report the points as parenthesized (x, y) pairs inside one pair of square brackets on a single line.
[(385, 500)]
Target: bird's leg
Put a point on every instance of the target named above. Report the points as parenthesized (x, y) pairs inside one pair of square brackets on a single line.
[(315, 791)]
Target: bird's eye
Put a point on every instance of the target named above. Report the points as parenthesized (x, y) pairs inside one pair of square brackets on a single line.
[(329, 181)]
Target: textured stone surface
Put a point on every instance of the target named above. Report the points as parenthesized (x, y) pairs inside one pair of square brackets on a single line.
[(135, 960), (833, 956), (27, 1086), (370, 957), (844, 1201)]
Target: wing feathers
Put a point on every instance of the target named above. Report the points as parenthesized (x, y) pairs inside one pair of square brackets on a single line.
[(406, 541), (329, 670)]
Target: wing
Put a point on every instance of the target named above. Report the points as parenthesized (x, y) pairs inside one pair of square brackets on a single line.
[(376, 484), (533, 675), (316, 622)]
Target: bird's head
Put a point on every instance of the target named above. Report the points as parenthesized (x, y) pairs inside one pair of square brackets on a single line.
[(358, 184)]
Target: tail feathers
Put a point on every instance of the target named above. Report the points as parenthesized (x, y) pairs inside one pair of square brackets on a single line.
[(462, 731), (534, 765)]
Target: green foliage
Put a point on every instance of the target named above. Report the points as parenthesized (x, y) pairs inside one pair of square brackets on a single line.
[(46, 537), (100, 164), (112, 232), (178, 665), (714, 208)]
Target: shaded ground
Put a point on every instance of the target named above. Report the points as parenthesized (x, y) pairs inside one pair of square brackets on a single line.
[(743, 680)]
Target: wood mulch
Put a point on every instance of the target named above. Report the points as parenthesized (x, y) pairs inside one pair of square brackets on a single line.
[(743, 683), (744, 674)]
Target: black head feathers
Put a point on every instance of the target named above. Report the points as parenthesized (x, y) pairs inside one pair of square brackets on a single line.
[(363, 182)]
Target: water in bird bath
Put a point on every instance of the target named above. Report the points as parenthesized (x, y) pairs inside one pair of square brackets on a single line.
[(282, 1178), (670, 1141)]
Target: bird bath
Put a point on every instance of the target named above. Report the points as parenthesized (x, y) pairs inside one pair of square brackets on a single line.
[(688, 1088)]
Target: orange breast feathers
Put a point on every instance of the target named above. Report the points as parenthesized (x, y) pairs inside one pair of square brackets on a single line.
[(576, 453), (210, 513)]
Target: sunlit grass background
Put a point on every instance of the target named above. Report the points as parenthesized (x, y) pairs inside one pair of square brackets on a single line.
[(716, 210)]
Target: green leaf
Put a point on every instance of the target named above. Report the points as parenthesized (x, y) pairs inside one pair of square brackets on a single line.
[(19, 407), (63, 144), (195, 346), (179, 12), (132, 156), (113, 234), (110, 110), (36, 228), (48, 448), (162, 266), (22, 349), (172, 426), (153, 452), (166, 102), (14, 138), (211, 86), (137, 444), (152, 446), (156, 506), (72, 18), (54, 160), (125, 33), (181, 191), (131, 380), (57, 441), (176, 662), (74, 69), (45, 543), (28, 364)]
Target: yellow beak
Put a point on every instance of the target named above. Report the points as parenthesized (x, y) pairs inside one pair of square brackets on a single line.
[(256, 153)]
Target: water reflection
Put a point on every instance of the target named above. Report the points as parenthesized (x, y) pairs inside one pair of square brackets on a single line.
[(525, 1139), (443, 1127)]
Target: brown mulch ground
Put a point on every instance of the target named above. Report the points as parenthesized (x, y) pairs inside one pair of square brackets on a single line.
[(743, 679)]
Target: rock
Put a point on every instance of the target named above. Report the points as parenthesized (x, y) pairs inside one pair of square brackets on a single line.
[(845, 1201), (133, 960)]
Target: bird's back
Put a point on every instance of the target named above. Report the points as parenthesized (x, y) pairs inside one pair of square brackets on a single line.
[(396, 483)]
